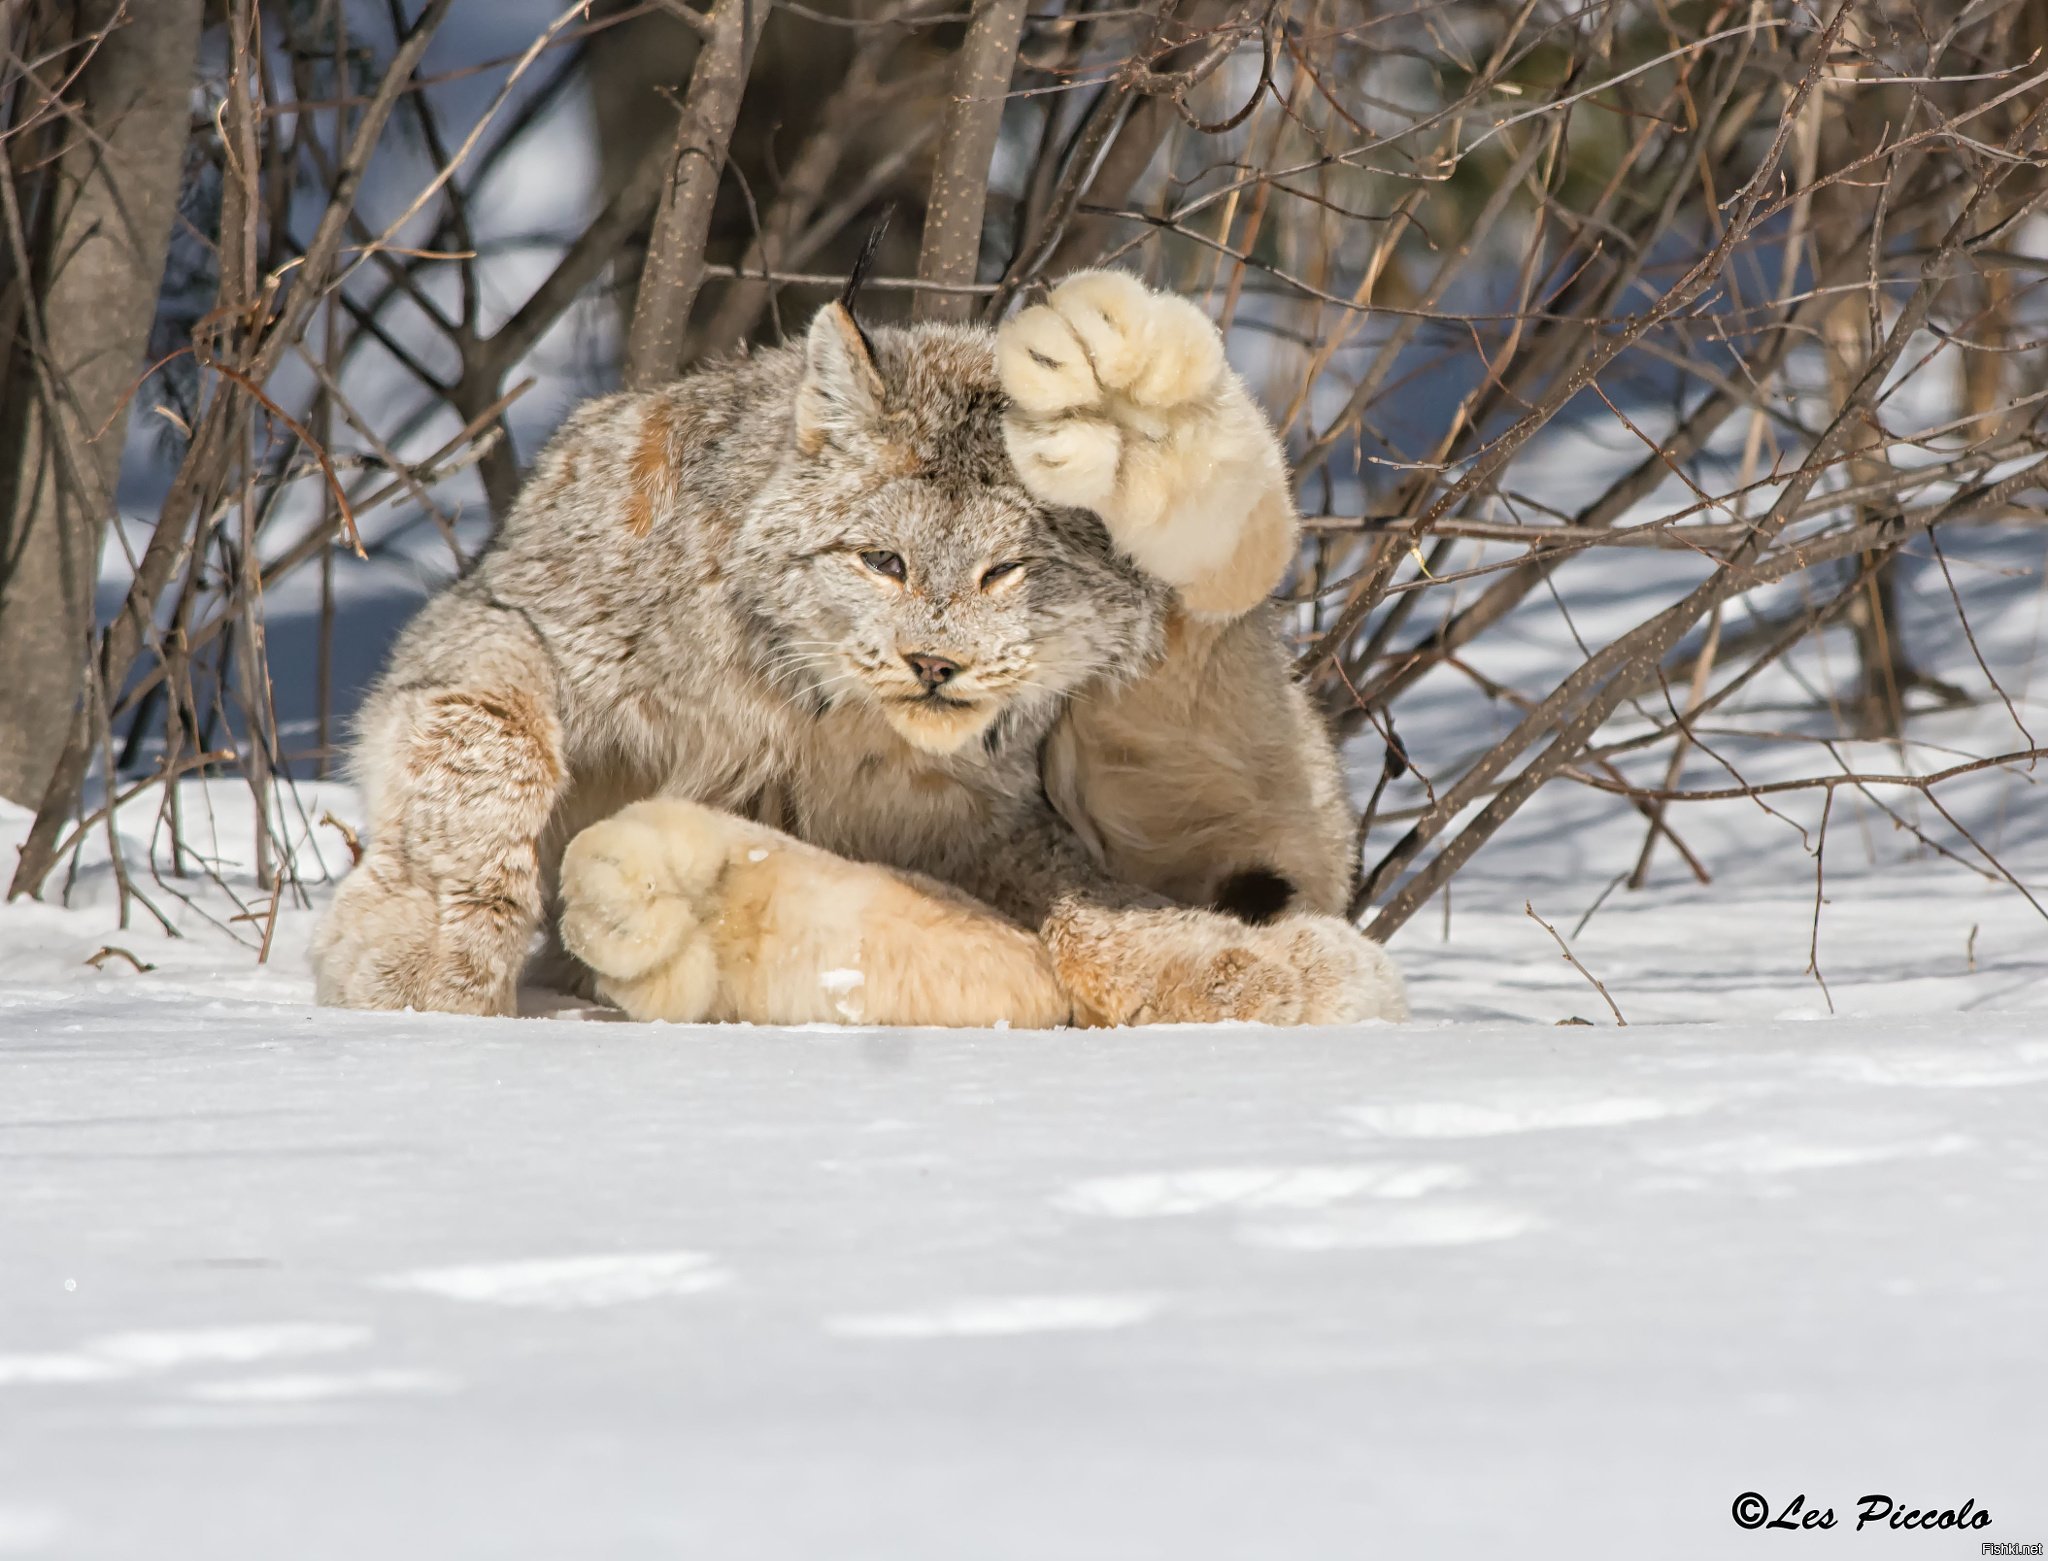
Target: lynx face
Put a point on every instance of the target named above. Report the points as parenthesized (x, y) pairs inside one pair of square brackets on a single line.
[(910, 569)]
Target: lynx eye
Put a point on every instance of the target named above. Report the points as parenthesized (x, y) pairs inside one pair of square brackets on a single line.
[(1000, 572), (890, 564)]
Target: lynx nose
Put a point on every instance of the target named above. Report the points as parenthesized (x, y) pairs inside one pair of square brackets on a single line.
[(932, 671)]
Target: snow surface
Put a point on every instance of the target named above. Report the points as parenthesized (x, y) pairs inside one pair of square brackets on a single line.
[(280, 1281)]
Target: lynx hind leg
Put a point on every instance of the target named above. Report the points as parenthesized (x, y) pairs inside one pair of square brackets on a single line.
[(690, 914), (1122, 403), (638, 892), (460, 777), (1193, 967), (1212, 778)]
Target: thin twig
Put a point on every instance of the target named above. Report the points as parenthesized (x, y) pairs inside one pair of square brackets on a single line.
[(1529, 910)]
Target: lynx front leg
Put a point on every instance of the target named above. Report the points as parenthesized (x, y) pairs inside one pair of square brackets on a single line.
[(689, 914), (1122, 404), (460, 762)]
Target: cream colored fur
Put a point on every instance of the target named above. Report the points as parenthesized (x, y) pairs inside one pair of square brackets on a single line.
[(684, 607), (1122, 404), (687, 914), (1172, 966)]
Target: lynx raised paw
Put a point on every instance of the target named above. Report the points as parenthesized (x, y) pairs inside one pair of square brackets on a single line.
[(1122, 403), (1194, 967), (1105, 333)]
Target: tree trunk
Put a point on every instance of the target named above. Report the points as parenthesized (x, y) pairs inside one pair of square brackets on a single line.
[(674, 268), (638, 70), (89, 242), (967, 146)]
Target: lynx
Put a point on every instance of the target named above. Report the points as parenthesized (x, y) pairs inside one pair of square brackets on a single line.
[(915, 676)]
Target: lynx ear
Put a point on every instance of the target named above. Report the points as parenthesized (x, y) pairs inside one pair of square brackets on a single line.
[(841, 391)]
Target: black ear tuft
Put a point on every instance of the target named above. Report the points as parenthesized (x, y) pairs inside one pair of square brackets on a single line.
[(863, 263), (1254, 894)]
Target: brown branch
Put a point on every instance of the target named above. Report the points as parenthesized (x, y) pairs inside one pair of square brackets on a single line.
[(967, 142), (203, 469), (682, 223), (2027, 756), (1529, 910), (109, 951)]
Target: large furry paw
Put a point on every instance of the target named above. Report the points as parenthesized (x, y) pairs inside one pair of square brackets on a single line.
[(1103, 334), (388, 942), (1195, 967), (638, 897), (1345, 977), (688, 914), (1121, 403)]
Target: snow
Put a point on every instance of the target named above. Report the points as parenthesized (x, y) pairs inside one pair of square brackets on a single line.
[(843, 987), (307, 1283), (568, 1283)]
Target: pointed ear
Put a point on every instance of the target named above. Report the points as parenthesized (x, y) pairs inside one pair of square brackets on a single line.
[(841, 391)]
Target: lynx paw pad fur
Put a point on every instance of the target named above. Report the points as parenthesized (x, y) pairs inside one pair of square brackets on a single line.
[(1121, 403), (1100, 374), (1345, 976), (633, 911), (1104, 334)]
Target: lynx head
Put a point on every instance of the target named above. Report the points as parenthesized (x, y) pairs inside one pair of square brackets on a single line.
[(905, 564)]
